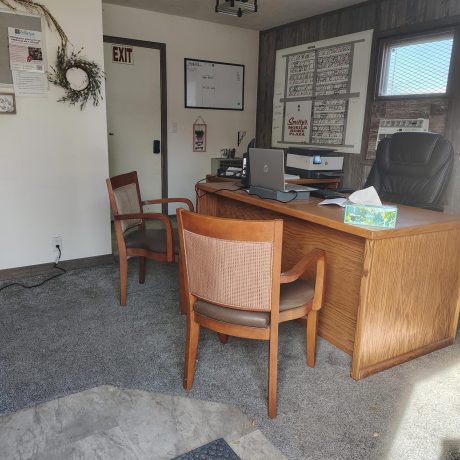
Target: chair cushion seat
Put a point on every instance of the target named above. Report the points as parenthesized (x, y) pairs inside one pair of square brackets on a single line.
[(292, 295), (152, 239)]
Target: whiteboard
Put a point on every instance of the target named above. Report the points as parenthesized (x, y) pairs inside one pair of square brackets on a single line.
[(213, 85), (320, 93)]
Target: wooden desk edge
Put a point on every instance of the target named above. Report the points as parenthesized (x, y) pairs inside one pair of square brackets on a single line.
[(365, 232), (332, 181), (358, 374)]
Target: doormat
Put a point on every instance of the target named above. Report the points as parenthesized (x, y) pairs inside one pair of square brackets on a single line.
[(215, 450)]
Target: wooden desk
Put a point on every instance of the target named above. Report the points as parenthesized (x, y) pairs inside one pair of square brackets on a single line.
[(391, 294), (332, 182)]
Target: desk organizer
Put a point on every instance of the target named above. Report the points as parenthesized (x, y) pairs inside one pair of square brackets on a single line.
[(374, 216)]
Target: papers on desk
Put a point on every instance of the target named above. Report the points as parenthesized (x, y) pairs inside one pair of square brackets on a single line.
[(290, 177), (337, 201), (368, 196), (233, 171)]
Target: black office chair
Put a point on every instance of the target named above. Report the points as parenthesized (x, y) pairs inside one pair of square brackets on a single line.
[(413, 169)]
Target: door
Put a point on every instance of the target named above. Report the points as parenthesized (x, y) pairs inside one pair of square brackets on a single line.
[(134, 114)]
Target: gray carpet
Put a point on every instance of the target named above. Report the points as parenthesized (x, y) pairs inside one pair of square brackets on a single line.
[(71, 334)]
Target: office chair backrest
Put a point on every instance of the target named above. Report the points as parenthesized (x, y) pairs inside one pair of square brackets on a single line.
[(413, 169), (125, 197), (232, 263)]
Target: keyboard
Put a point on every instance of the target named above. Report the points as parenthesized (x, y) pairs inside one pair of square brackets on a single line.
[(326, 193)]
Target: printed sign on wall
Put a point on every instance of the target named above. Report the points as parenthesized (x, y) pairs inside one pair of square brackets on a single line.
[(122, 54), (320, 93), (298, 121)]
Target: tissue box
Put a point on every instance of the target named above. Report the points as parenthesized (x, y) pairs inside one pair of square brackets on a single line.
[(374, 216)]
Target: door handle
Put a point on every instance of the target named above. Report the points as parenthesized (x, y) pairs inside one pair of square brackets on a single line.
[(156, 146)]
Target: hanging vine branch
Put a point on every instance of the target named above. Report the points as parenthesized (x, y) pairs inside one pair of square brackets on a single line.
[(34, 7)]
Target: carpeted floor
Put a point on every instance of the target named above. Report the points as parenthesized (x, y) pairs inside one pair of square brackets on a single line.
[(71, 334)]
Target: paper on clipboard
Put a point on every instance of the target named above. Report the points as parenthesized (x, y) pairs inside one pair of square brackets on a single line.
[(30, 84), (26, 50), (27, 62)]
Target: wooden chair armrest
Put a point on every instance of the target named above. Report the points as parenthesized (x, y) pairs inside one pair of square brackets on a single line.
[(317, 256), (299, 268), (169, 200), (153, 215), (143, 215)]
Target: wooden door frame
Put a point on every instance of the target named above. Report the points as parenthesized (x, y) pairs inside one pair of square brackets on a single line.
[(163, 106)]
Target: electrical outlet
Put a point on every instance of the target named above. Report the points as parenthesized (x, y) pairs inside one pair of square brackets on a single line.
[(56, 241)]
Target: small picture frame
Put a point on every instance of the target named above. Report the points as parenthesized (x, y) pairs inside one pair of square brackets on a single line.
[(7, 103), (199, 135)]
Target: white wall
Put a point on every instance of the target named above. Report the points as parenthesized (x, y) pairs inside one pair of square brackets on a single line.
[(191, 38), (53, 161)]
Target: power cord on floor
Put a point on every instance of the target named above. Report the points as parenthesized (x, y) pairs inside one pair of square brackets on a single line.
[(62, 271)]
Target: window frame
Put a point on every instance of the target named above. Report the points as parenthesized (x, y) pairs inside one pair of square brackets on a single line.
[(384, 43)]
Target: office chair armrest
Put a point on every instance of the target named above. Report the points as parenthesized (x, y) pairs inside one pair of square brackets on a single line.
[(318, 257), (169, 200)]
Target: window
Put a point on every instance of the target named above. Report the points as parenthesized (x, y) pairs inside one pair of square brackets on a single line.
[(416, 65)]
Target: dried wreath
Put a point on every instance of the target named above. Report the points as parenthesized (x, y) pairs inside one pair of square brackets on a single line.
[(80, 78)]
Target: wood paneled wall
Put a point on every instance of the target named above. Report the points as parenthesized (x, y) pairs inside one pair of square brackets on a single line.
[(386, 17)]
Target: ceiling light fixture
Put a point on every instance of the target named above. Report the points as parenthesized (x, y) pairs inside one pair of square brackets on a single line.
[(236, 8)]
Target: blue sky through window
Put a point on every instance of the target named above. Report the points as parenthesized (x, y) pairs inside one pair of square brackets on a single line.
[(419, 67)]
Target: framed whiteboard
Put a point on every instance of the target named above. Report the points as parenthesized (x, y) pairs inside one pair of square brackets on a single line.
[(320, 93), (213, 85)]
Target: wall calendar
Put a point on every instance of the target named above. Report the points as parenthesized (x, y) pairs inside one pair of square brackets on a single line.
[(320, 93)]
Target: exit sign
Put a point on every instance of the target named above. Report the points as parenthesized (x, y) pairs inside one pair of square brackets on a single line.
[(122, 54)]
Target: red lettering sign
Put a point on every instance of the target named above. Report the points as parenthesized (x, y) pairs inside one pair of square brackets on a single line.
[(297, 127)]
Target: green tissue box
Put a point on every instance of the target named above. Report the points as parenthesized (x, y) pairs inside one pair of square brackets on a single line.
[(374, 216)]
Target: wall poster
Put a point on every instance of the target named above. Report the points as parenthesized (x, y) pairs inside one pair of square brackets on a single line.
[(320, 93)]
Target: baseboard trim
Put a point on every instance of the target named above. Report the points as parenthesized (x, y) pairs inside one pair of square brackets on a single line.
[(46, 269)]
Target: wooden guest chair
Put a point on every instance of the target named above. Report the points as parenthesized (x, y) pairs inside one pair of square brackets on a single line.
[(234, 286), (133, 238)]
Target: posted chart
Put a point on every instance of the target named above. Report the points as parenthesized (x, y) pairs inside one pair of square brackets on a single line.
[(320, 93)]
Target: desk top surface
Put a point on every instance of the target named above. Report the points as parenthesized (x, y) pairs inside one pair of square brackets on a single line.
[(410, 221)]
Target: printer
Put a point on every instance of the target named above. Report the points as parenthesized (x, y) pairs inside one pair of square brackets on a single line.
[(313, 163)]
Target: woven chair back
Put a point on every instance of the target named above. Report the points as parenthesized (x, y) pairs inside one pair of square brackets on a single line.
[(128, 203), (125, 198), (231, 262)]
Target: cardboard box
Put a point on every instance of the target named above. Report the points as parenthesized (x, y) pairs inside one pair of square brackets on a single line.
[(374, 216)]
